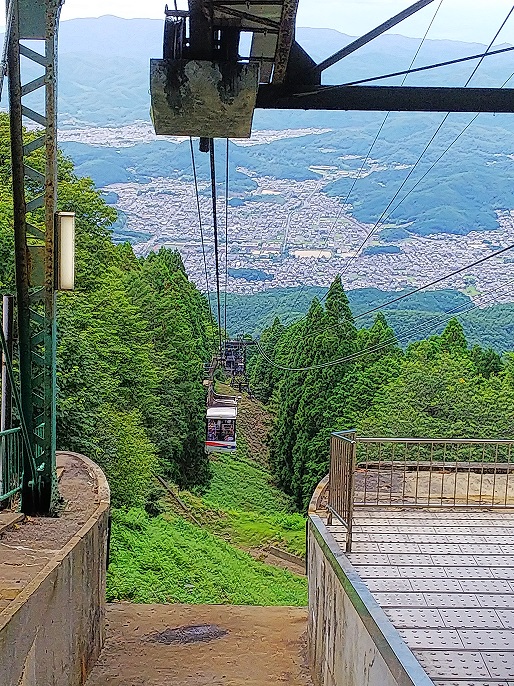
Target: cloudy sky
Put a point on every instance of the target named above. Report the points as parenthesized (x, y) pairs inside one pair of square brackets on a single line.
[(467, 20)]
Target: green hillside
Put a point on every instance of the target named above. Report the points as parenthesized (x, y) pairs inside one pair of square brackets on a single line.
[(413, 318), (323, 374), (168, 560), (205, 557)]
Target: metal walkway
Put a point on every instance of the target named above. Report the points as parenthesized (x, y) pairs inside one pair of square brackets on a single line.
[(445, 579)]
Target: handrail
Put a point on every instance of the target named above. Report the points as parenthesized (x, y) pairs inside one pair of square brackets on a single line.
[(17, 401), (387, 472), (344, 434), (11, 464), (456, 441), (341, 480), (6, 432)]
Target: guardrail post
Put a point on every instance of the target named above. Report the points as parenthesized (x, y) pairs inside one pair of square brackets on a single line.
[(343, 460), (350, 493)]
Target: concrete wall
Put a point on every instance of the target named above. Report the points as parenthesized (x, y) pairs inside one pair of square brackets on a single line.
[(52, 634), (350, 640)]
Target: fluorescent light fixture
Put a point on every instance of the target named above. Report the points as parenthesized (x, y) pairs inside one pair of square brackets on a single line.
[(65, 252)]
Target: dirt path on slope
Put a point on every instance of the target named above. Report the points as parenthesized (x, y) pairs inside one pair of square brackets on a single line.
[(254, 646)]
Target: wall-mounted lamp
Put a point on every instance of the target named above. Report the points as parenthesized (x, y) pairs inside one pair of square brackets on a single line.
[(65, 251)]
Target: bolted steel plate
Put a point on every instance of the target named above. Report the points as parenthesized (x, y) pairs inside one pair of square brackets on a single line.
[(453, 663), (503, 573), (378, 571), (496, 600), (507, 618), (400, 599), (473, 572), (441, 600), (437, 585), (388, 585), (413, 618), (427, 639), (500, 665), (481, 639), (484, 586), (471, 618)]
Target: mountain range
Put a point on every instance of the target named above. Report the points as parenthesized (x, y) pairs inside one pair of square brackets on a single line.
[(104, 83)]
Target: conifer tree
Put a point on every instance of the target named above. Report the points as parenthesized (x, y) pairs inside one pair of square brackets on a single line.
[(452, 339), (264, 375)]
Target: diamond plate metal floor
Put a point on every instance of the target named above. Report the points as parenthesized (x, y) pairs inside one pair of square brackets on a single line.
[(445, 579)]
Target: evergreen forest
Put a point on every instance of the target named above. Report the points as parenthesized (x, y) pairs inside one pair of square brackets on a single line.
[(133, 339), (322, 374)]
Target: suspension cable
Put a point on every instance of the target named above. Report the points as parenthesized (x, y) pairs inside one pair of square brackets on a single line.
[(426, 286), (374, 142), (226, 243), (429, 66), (216, 245), (439, 280), (411, 190), (382, 217), (490, 46), (380, 220), (404, 336), (200, 224), (390, 302)]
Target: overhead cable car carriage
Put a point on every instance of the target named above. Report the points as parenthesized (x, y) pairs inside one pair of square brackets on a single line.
[(220, 418), (221, 424), (202, 87)]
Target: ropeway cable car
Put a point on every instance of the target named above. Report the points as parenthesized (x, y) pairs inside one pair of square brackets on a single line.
[(221, 424), (234, 359)]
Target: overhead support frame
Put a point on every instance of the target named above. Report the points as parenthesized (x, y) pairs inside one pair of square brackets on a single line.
[(34, 206), (386, 98), (302, 90), (371, 35)]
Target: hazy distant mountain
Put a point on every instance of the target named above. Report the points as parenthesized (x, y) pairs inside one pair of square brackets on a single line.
[(104, 66)]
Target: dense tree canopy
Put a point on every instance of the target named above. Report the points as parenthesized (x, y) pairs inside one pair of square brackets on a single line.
[(132, 342), (438, 387)]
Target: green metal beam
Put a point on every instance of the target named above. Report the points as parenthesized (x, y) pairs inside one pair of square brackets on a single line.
[(36, 20)]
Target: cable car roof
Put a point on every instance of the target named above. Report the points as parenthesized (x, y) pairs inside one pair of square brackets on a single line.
[(224, 412)]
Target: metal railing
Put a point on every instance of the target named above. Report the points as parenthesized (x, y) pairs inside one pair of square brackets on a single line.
[(341, 480), (417, 473), (11, 464)]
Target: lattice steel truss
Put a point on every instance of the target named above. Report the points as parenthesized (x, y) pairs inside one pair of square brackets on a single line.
[(35, 199)]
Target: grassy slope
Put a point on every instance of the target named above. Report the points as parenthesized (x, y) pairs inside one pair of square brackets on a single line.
[(243, 506), (167, 559)]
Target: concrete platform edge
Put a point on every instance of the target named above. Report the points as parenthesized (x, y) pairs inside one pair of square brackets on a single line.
[(401, 662)]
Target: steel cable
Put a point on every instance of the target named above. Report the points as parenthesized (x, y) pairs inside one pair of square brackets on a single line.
[(384, 305), (374, 142), (380, 221), (226, 243), (404, 336), (200, 224), (216, 243)]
